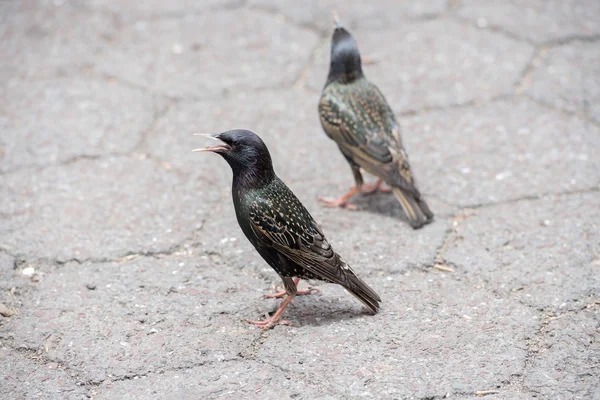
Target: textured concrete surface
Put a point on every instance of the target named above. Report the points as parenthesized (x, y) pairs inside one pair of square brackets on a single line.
[(124, 275)]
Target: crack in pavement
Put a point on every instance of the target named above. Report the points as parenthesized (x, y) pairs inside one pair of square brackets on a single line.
[(592, 189), (577, 113), (38, 357), (494, 28), (158, 116), (133, 376), (276, 13), (176, 248), (228, 94), (549, 309), (187, 99), (533, 348), (455, 106), (571, 39), (69, 161), (439, 260), (92, 72), (225, 94), (534, 62), (537, 59), (501, 30), (165, 15), (300, 81)]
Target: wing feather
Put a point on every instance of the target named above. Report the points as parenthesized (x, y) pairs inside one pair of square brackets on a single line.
[(371, 138), (298, 239)]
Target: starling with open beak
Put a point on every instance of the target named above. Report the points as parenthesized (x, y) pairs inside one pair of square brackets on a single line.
[(357, 117), (278, 225)]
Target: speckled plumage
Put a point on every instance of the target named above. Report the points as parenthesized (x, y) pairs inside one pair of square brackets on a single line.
[(285, 228), (355, 114), (278, 225)]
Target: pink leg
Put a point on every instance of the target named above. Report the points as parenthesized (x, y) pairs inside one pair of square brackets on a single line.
[(275, 319), (282, 293), (341, 201), (375, 187)]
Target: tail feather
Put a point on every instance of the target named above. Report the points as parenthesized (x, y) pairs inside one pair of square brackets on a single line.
[(414, 207), (362, 292)]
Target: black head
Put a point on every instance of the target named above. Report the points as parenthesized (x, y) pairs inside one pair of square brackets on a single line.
[(345, 58), (246, 153)]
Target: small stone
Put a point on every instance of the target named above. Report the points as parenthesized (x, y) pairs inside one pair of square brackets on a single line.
[(5, 311), (29, 271), (177, 48), (503, 175), (482, 22), (90, 286)]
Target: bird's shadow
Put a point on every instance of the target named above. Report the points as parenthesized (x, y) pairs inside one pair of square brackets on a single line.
[(380, 203), (314, 311)]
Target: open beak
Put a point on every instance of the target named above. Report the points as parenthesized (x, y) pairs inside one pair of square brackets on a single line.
[(221, 147)]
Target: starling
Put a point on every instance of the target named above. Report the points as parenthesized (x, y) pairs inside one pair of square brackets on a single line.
[(354, 114), (278, 226)]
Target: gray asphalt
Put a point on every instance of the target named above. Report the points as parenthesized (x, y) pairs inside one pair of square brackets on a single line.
[(124, 275)]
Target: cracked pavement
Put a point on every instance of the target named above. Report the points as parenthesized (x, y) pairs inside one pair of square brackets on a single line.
[(123, 273)]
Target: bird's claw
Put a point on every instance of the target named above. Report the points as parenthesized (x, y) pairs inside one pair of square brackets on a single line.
[(333, 203), (269, 323), (276, 295)]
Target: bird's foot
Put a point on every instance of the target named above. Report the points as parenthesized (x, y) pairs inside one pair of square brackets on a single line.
[(375, 187), (282, 293), (341, 202), (276, 295), (269, 323), (275, 319)]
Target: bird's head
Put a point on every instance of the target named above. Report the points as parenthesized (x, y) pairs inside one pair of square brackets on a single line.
[(345, 58), (245, 152)]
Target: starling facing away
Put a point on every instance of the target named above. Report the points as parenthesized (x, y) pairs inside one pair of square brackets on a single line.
[(356, 116), (278, 225)]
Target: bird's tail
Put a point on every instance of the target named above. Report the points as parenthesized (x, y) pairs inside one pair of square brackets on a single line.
[(414, 207), (362, 291)]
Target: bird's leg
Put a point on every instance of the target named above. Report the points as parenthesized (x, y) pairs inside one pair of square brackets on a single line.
[(343, 200), (275, 319), (282, 293), (375, 187)]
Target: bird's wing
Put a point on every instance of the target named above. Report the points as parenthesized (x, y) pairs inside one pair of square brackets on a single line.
[(344, 127), (371, 138), (287, 227)]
